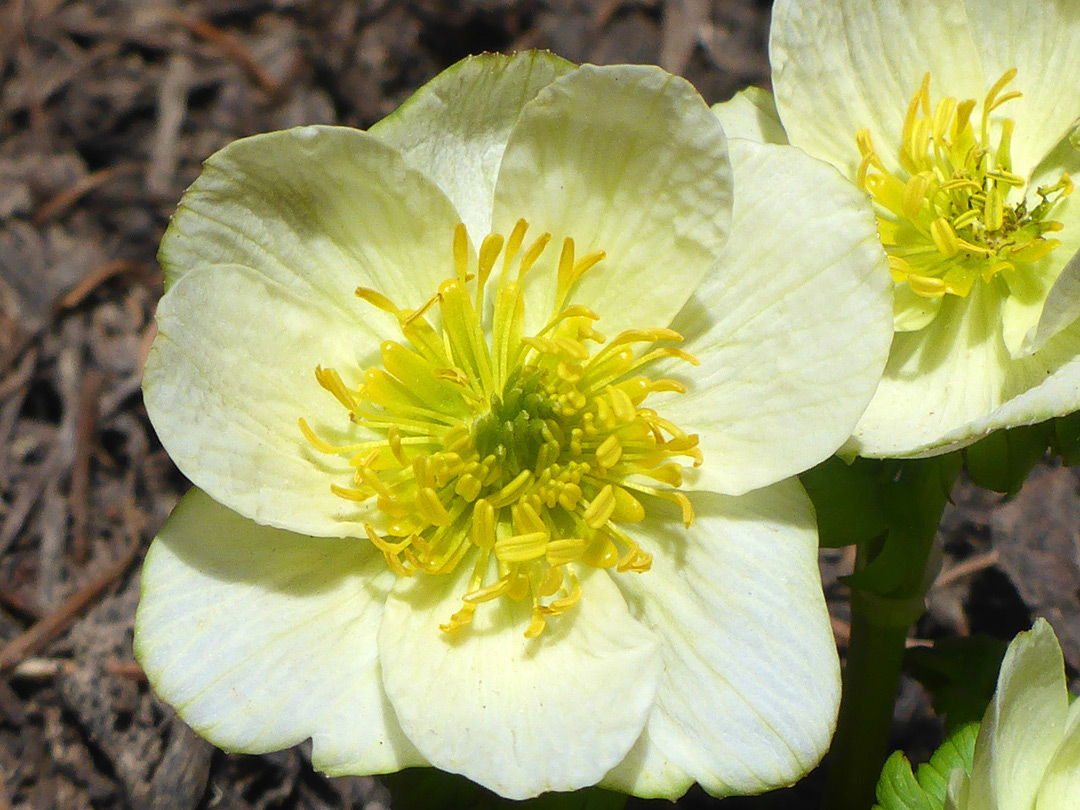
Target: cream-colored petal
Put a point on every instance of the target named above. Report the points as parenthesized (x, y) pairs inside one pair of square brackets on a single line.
[(791, 344), (954, 382), (1024, 723), (841, 65), (751, 114), (328, 209), (1029, 290), (1041, 42), (751, 681), (1062, 305), (1061, 782), (262, 638), (231, 372), (956, 797), (912, 312), (628, 160), (515, 715), (648, 773), (454, 128)]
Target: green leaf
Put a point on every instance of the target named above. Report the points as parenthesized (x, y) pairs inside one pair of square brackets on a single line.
[(1001, 462), (426, 788), (900, 789), (958, 751), (847, 500), (1066, 441), (912, 500), (960, 674)]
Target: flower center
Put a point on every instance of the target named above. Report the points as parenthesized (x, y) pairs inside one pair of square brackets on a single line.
[(955, 212), (522, 453)]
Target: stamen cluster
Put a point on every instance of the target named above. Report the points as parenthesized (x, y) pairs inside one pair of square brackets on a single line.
[(946, 217), (522, 453)]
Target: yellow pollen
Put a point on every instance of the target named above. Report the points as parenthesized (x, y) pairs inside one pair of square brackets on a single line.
[(952, 212), (520, 455)]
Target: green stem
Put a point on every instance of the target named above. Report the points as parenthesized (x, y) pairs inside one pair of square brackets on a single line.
[(888, 590), (871, 675)]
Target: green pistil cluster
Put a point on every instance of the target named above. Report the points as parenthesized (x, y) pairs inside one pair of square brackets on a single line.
[(522, 454), (950, 216)]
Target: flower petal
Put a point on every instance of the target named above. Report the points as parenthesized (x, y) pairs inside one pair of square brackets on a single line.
[(751, 114), (519, 716), (954, 382), (1042, 47), (231, 372), (790, 350), (454, 128), (1061, 306), (261, 638), (1024, 723), (647, 773), (751, 682), (628, 160), (841, 65), (325, 208), (1061, 784)]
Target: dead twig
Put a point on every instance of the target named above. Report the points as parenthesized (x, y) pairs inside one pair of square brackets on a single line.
[(65, 615), (80, 471), (83, 186), (94, 279), (230, 45), (38, 669), (971, 566), (28, 495)]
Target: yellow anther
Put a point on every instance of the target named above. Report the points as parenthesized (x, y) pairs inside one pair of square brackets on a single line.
[(965, 219), (900, 269), (527, 519), (431, 508), (565, 550), (926, 286), (487, 593), (510, 493), (378, 300), (329, 379), (532, 254), (944, 237), (520, 548), (628, 509), (600, 509), (601, 552), (553, 579), (994, 210), (915, 194), (563, 604), (459, 619), (350, 494), (609, 452), (943, 114), (621, 405), (536, 626)]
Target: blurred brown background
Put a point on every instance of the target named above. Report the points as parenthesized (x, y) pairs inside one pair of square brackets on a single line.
[(107, 108)]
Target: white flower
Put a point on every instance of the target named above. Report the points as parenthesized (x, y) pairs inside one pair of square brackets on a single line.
[(627, 593), (954, 116), (1027, 754)]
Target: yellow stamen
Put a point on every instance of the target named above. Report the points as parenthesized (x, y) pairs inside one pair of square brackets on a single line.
[(519, 454)]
